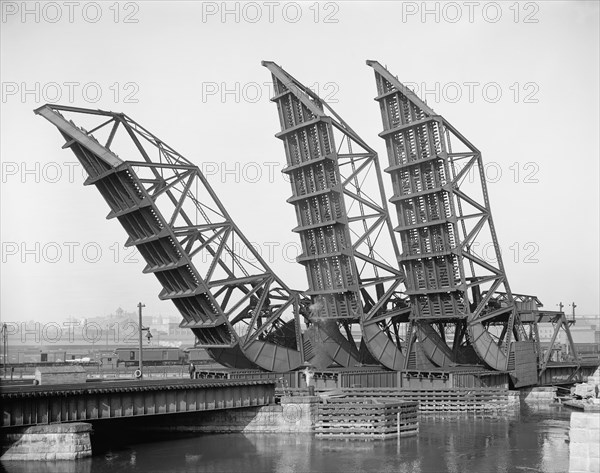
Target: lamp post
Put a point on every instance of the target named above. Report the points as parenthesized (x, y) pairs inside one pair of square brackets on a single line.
[(140, 305)]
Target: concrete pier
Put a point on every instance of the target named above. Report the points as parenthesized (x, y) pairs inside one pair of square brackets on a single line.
[(48, 442), (537, 395), (584, 449), (295, 414)]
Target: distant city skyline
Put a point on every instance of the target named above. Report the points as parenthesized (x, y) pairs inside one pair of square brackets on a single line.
[(176, 317)]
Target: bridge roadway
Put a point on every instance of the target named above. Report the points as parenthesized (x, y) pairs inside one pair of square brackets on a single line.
[(47, 404)]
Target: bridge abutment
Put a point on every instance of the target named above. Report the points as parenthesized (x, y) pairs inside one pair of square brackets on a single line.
[(537, 395), (295, 414), (48, 442), (584, 435)]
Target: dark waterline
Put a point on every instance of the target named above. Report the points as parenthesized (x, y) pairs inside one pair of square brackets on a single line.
[(534, 441)]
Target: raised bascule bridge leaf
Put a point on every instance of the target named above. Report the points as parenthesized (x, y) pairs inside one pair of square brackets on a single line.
[(349, 250), (462, 301), (239, 310)]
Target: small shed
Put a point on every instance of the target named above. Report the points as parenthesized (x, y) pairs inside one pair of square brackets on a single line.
[(60, 374), (109, 360)]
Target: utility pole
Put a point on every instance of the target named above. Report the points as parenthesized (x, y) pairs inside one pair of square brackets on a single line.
[(140, 305), (573, 305), (4, 347), (560, 306)]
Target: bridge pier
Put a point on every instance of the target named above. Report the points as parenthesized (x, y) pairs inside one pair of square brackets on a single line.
[(538, 395), (48, 442), (584, 436), (295, 414)]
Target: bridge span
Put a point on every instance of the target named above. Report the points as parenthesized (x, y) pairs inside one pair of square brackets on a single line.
[(24, 406)]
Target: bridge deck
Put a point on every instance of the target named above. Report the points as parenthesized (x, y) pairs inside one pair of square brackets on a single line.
[(38, 405)]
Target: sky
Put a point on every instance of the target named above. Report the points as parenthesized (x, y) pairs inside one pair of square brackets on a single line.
[(519, 80)]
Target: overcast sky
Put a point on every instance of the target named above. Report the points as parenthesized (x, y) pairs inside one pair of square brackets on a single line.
[(520, 81)]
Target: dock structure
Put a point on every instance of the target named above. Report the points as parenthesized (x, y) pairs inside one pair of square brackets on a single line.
[(366, 419), (444, 401)]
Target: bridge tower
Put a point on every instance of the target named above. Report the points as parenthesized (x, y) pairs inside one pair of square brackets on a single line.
[(345, 233), (239, 310), (462, 301)]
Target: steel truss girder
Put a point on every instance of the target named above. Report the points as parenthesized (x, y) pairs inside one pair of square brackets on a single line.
[(435, 227), (239, 310), (532, 315), (341, 222)]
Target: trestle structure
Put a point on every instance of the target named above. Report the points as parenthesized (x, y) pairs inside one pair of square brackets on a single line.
[(452, 289), (239, 310), (344, 228)]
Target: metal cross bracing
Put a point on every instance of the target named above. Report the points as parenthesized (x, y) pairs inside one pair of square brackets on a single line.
[(345, 232), (532, 316), (453, 291), (239, 310)]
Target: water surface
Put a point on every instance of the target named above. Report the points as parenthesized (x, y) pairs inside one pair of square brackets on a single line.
[(534, 441)]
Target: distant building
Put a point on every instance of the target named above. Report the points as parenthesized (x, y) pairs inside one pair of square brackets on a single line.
[(586, 329), (35, 341)]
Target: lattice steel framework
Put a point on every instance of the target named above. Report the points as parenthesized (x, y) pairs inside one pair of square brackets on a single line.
[(239, 310), (344, 227), (532, 316), (451, 288)]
